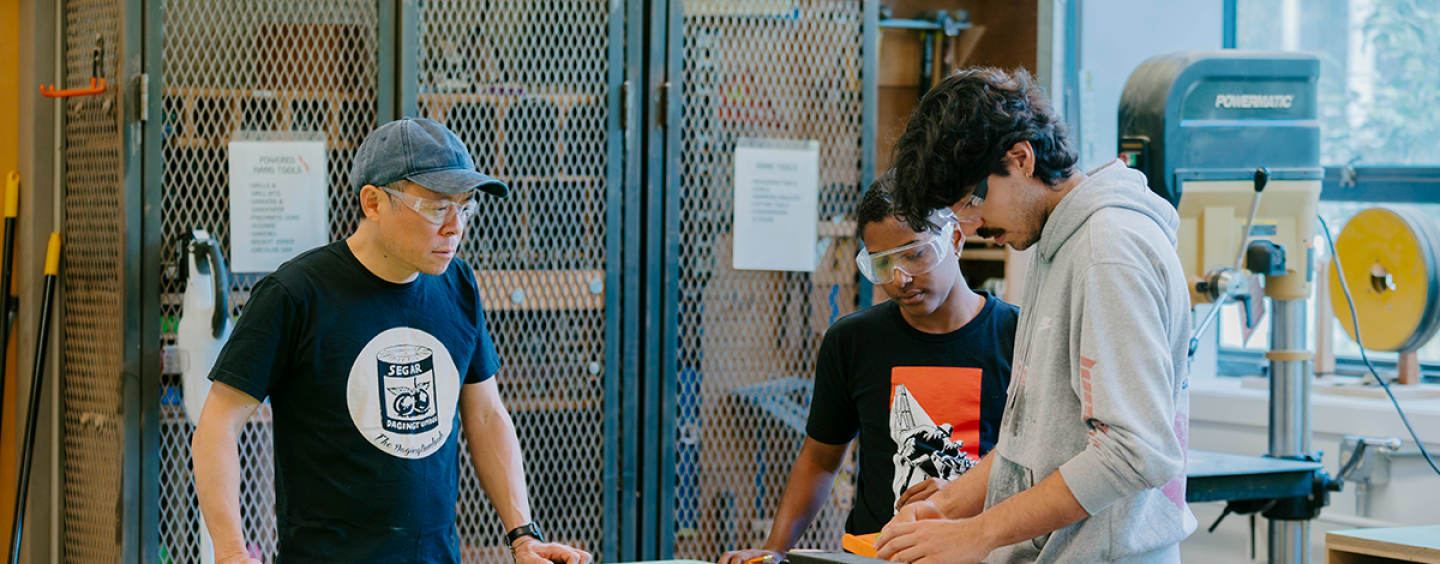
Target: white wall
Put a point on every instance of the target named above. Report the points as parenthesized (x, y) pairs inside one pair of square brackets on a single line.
[(1115, 37)]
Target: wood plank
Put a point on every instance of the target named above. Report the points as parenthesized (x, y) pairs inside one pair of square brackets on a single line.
[(899, 58), (894, 105), (1404, 544), (842, 228), (962, 48), (1324, 320), (1409, 369), (1011, 32), (1333, 556), (539, 290), (984, 253), (1011, 29)]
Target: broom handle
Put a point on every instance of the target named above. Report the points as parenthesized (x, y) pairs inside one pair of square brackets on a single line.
[(37, 379), (12, 209)]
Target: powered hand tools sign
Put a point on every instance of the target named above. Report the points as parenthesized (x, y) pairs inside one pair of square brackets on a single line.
[(277, 202), (777, 195)]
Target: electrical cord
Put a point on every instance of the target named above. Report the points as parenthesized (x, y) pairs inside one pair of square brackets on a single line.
[(1355, 321)]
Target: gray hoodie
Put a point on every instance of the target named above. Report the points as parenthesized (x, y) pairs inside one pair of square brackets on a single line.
[(1100, 387)]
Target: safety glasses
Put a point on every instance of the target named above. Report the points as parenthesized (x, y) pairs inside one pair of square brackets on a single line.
[(969, 212), (435, 211), (913, 259)]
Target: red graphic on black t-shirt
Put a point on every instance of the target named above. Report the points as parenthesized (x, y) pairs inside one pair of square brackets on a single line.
[(934, 421)]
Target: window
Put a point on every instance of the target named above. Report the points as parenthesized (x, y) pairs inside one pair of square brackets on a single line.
[(1379, 77), (1379, 116)]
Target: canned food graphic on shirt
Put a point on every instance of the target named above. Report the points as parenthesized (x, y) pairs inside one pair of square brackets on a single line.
[(407, 389)]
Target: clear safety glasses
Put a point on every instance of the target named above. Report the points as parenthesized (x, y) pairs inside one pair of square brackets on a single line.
[(436, 211), (913, 259), (969, 212)]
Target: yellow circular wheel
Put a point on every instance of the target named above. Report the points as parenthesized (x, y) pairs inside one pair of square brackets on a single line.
[(1389, 258)]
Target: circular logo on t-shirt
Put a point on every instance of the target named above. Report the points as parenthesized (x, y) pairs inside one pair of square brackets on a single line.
[(403, 391)]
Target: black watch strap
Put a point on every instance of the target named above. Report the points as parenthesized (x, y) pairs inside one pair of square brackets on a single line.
[(526, 530)]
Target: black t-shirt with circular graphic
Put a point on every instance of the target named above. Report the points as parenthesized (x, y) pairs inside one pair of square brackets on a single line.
[(364, 378)]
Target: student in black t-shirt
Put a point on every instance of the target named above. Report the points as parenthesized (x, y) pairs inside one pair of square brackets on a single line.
[(374, 354), (920, 378)]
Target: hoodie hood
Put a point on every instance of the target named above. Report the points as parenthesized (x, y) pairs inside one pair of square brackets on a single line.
[(1113, 185)]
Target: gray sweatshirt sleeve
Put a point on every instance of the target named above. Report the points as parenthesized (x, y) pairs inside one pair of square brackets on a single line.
[(1125, 377)]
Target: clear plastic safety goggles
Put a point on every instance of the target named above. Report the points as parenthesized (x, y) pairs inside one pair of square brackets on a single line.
[(436, 211), (913, 259), (969, 212)]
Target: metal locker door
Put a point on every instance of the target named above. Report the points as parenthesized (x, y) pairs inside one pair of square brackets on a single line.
[(285, 67), (532, 87), (747, 340), (97, 224)]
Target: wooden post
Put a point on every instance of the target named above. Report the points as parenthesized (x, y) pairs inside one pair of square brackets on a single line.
[(1324, 318), (1409, 368)]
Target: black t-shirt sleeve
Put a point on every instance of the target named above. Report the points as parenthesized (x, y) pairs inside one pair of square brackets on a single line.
[(833, 419), (260, 347), (485, 362)]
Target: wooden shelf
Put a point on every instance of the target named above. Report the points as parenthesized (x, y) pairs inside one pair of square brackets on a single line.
[(261, 94), (540, 290), (984, 253), (504, 94), (206, 118), (845, 228)]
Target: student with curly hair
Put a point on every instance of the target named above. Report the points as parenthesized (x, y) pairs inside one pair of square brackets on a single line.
[(1089, 464)]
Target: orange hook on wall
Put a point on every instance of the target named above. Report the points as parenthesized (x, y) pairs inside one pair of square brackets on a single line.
[(97, 86)]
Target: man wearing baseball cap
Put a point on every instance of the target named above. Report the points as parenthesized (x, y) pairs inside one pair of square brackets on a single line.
[(373, 352)]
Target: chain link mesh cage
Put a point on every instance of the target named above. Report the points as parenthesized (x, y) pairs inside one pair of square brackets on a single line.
[(93, 231), (748, 339), (260, 66), (524, 84)]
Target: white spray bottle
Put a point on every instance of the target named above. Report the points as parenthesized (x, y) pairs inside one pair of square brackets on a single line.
[(203, 328), (204, 324)]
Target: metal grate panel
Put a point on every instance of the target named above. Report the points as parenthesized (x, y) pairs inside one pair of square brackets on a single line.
[(524, 84), (261, 65), (93, 232), (748, 339)]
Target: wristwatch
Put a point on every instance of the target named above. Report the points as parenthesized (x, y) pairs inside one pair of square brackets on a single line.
[(526, 530)]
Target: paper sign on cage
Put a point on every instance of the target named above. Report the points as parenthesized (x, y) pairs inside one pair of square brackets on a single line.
[(278, 201), (777, 196)]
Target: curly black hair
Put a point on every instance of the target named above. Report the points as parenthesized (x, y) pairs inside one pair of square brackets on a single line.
[(960, 132), (878, 204)]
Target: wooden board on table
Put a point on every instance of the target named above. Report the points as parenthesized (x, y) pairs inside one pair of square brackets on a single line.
[(1403, 544)]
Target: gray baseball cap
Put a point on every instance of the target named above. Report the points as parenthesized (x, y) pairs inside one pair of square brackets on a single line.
[(421, 151)]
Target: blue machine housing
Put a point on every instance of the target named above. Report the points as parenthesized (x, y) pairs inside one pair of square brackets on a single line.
[(1219, 115)]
